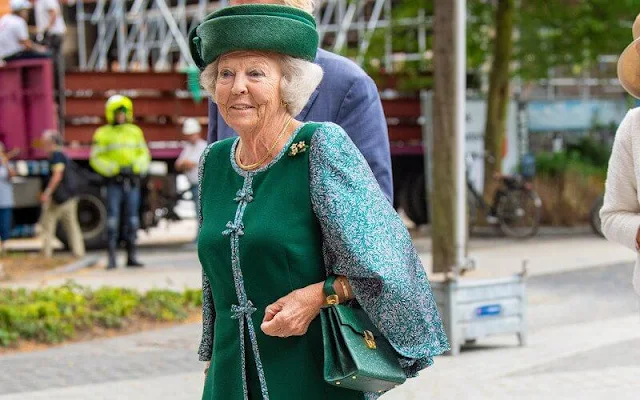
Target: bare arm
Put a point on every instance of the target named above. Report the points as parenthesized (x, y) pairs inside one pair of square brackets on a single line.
[(30, 45), (291, 315)]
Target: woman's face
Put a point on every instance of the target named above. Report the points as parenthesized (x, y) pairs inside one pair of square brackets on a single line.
[(248, 90)]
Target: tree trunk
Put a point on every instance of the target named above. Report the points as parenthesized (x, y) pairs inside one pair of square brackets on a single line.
[(498, 97), (443, 195)]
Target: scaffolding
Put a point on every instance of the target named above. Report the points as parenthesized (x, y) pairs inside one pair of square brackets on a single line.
[(345, 25), (152, 34), (139, 36)]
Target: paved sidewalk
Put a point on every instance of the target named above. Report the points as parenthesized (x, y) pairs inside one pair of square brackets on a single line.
[(108, 368), (177, 266), (496, 257), (584, 341), (594, 360), (555, 365)]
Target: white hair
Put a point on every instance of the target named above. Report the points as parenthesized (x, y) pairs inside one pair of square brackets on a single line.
[(306, 5), (299, 79), (53, 136)]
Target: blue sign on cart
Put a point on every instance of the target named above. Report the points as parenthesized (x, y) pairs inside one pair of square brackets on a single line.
[(490, 310)]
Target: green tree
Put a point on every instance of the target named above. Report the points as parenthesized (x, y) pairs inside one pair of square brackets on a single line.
[(499, 93), (444, 141)]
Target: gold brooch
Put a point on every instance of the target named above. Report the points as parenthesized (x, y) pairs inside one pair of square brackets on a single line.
[(296, 148)]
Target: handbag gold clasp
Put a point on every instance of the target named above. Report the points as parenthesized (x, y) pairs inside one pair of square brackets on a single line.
[(333, 299), (370, 340)]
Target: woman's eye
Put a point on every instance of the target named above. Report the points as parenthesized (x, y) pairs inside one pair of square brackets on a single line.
[(256, 73), (225, 74)]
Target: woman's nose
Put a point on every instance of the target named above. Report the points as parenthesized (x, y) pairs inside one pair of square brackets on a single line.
[(239, 85)]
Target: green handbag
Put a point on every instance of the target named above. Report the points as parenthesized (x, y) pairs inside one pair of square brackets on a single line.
[(356, 355)]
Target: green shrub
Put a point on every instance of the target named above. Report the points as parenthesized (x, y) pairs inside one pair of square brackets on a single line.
[(52, 315), (568, 182), (164, 305)]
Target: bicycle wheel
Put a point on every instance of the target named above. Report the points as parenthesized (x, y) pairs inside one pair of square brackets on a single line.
[(594, 216), (519, 213)]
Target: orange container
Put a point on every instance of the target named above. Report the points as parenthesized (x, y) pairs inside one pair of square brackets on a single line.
[(4, 7)]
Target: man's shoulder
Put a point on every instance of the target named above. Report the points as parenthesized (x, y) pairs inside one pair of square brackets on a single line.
[(48, 4), (58, 157), (132, 128), (101, 130), (201, 144), (13, 20), (339, 69)]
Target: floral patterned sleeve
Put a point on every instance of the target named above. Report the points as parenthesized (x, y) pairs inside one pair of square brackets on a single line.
[(208, 311), (365, 240)]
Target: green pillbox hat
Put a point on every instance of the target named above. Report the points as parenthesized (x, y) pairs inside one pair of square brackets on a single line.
[(258, 27)]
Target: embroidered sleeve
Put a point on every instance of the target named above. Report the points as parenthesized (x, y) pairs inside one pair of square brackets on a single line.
[(208, 311), (365, 240)]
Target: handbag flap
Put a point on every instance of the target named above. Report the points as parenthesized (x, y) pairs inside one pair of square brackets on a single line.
[(356, 319)]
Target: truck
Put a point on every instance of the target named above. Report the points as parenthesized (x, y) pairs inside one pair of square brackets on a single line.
[(161, 102), (27, 109)]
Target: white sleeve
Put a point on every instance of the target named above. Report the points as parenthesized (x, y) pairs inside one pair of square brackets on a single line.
[(183, 154), (51, 5), (620, 213), (22, 30)]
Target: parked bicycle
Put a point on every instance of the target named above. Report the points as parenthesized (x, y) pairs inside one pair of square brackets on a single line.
[(516, 208)]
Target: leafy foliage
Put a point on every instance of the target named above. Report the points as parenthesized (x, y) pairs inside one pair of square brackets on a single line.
[(587, 157), (54, 314), (571, 35), (547, 35)]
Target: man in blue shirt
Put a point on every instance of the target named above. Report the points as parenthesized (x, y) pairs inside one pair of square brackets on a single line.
[(346, 96)]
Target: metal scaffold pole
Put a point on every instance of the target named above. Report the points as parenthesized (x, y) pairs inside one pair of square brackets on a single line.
[(152, 34), (138, 36)]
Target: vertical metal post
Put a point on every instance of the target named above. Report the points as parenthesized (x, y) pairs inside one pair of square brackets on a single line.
[(450, 318), (365, 39), (388, 38), (82, 45), (426, 105), (122, 35), (460, 121), (325, 18), (422, 35)]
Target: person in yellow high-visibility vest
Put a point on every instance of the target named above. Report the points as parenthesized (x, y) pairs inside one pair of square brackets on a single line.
[(120, 154)]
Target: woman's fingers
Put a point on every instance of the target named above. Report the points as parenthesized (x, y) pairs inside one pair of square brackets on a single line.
[(272, 310), (274, 327)]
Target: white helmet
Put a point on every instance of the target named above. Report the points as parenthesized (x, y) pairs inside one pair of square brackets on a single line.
[(18, 5), (191, 126)]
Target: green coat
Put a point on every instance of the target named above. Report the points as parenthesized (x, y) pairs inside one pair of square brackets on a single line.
[(283, 227), (270, 232)]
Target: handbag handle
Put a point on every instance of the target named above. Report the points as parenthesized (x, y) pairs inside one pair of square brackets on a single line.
[(329, 291)]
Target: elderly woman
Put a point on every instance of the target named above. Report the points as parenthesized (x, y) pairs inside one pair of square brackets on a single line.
[(620, 214), (285, 206)]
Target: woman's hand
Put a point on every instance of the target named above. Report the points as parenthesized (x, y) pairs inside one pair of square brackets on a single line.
[(292, 314)]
